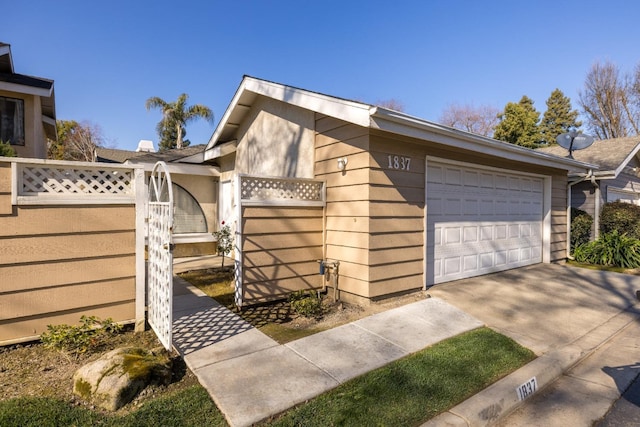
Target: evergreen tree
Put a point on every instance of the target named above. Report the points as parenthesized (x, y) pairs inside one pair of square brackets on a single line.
[(559, 117), (519, 124)]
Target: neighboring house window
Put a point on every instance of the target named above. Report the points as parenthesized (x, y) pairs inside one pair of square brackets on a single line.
[(622, 195), (188, 216), (12, 120)]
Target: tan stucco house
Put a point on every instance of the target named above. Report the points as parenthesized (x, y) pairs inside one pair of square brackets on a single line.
[(406, 203), (615, 178), (27, 109)]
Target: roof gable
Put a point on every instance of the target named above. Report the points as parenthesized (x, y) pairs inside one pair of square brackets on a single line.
[(372, 117)]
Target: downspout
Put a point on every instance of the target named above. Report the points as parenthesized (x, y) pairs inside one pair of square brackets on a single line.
[(590, 176), (596, 209)]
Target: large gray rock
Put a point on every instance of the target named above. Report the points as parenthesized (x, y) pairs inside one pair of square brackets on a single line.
[(119, 375)]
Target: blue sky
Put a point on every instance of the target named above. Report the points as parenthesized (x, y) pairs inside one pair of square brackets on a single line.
[(108, 57)]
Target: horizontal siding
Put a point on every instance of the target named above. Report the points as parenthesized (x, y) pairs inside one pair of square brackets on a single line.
[(5, 189), (388, 287), (347, 210), (57, 247), (397, 270), (63, 298), (21, 329), (558, 218), (280, 246), (60, 262), (28, 277), (40, 220)]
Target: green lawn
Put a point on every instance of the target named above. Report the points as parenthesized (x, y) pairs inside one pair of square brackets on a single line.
[(190, 407), (416, 388), (406, 392)]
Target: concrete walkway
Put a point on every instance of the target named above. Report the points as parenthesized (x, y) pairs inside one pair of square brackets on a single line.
[(251, 377), (582, 324)]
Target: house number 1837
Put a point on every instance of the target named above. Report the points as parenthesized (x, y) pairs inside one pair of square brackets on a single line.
[(399, 162)]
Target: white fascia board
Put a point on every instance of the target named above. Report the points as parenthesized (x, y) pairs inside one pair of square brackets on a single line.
[(220, 150), (29, 90), (48, 120), (225, 118), (349, 111), (403, 124), (626, 161)]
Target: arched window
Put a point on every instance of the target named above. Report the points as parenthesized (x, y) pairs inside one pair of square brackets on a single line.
[(188, 216)]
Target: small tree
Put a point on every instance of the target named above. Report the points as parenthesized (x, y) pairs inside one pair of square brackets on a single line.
[(76, 141), (519, 124), (225, 241), (558, 118)]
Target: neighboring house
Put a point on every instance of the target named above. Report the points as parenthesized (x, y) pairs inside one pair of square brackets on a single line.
[(27, 109), (409, 203), (617, 176), (195, 192)]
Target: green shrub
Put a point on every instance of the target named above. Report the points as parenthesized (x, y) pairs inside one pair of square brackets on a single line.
[(621, 217), (89, 335), (612, 249), (581, 223), (6, 150), (307, 304)]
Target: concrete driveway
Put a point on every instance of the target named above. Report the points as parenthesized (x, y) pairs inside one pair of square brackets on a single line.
[(545, 306)]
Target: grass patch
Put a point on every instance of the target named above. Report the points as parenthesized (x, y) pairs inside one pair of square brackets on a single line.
[(216, 283), (189, 407), (418, 387), (284, 335), (598, 267), (269, 318), (406, 392)]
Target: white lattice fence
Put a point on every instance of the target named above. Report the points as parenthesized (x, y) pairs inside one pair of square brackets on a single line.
[(271, 193), (281, 191), (40, 182)]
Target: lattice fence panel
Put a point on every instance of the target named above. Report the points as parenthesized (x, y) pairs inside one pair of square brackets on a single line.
[(39, 180), (160, 273), (258, 188)]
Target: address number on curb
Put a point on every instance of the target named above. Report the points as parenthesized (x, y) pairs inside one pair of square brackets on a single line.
[(527, 389)]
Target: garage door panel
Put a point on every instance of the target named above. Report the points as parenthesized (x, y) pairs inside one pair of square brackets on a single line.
[(481, 221)]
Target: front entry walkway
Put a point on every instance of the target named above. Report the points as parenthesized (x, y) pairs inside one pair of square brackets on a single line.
[(251, 377)]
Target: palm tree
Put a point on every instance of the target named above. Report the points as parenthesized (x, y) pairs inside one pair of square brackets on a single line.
[(175, 116)]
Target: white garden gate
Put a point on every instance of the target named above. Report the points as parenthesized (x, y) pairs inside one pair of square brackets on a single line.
[(160, 258)]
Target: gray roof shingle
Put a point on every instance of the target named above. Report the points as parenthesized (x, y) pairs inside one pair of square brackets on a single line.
[(608, 154)]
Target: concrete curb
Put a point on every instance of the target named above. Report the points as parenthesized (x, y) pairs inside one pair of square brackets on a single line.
[(500, 399)]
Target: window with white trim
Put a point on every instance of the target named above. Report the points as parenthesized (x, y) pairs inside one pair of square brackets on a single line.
[(188, 216)]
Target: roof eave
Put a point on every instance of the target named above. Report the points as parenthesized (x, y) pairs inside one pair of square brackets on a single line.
[(30, 90), (221, 150), (404, 124)]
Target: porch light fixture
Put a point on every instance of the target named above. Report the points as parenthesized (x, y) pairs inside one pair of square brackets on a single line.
[(342, 163)]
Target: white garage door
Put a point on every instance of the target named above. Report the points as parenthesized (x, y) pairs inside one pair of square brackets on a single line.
[(481, 221)]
